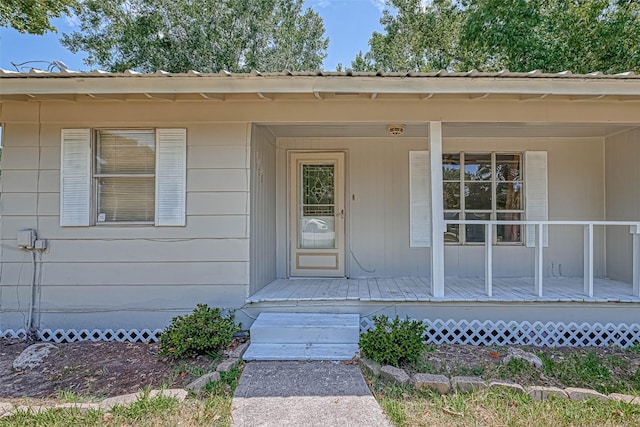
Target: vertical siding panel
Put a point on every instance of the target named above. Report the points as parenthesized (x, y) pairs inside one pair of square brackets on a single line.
[(622, 157), (263, 208)]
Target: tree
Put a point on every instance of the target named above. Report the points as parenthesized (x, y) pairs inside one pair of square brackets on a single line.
[(202, 35), (519, 35), (419, 36), (555, 35), (34, 16)]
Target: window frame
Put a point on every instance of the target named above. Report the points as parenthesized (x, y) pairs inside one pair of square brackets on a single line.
[(95, 177), (494, 212)]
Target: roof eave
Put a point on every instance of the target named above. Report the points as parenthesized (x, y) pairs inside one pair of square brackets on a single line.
[(215, 87)]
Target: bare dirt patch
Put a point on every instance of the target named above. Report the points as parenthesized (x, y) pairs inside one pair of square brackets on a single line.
[(99, 369), (103, 369)]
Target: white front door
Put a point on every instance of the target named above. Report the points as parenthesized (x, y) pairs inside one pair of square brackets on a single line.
[(316, 215)]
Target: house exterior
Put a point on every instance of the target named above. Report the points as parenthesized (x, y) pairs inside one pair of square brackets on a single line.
[(129, 198)]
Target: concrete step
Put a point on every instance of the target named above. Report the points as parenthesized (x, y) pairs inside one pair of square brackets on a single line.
[(303, 328), (304, 336), (257, 351)]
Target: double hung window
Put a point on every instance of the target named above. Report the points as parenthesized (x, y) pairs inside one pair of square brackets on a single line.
[(124, 175), (483, 186)]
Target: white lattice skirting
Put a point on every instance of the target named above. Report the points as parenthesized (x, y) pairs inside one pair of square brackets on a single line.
[(539, 334), (71, 335), (472, 332)]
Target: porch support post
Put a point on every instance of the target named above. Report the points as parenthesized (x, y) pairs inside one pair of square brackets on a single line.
[(588, 260), (635, 259), (538, 260), (437, 210)]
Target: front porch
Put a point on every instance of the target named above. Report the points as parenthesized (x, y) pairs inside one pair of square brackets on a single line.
[(418, 289)]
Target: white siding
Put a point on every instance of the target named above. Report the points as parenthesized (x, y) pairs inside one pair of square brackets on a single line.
[(130, 276), (622, 153), (377, 205)]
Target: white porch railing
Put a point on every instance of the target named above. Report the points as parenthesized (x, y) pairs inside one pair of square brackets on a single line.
[(540, 227)]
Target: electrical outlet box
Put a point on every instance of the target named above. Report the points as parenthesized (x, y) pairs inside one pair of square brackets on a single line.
[(26, 238), (40, 244)]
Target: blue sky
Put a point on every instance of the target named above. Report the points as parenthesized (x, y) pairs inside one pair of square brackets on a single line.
[(348, 23)]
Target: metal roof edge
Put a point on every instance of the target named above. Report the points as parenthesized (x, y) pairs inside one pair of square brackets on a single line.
[(35, 73)]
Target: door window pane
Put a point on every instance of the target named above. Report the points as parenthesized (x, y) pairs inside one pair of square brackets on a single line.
[(318, 184), (317, 213), (317, 232)]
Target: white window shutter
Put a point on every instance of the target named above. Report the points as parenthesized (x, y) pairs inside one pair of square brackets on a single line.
[(536, 197), (171, 177), (75, 177), (419, 199)]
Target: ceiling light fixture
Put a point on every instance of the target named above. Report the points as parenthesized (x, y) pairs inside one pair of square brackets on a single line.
[(395, 130)]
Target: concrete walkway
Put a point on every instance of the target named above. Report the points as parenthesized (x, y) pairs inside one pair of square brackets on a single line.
[(309, 394)]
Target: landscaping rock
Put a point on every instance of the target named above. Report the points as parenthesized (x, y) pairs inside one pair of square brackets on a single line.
[(439, 383), (176, 393), (516, 353), (122, 400), (227, 365), (542, 393), (31, 409), (466, 384), (238, 352), (371, 366), (509, 385), (33, 356), (391, 373), (583, 394), (199, 384), (5, 408), (625, 398), (82, 407)]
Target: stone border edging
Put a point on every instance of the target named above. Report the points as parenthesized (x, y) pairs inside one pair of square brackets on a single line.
[(233, 358), (444, 385), (8, 409)]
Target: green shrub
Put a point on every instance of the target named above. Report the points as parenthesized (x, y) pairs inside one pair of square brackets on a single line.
[(205, 331), (394, 342)]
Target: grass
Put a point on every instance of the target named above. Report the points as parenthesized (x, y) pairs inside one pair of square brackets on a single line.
[(493, 407), (635, 348), (601, 371), (607, 372), (213, 408)]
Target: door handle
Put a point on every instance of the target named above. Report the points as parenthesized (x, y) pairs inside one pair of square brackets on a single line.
[(340, 214)]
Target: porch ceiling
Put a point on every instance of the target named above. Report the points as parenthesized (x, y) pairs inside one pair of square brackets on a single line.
[(451, 130)]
